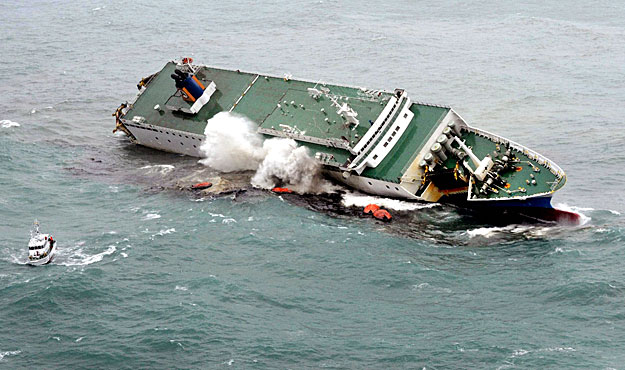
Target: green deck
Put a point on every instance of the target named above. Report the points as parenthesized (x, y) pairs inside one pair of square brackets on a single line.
[(285, 105), (482, 146), (307, 115)]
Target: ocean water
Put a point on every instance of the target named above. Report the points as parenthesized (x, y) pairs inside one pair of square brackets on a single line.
[(151, 276)]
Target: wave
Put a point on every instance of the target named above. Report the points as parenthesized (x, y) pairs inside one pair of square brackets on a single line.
[(9, 353), (5, 123), (489, 232), (151, 216)]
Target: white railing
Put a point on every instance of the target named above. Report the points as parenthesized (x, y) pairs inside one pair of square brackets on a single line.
[(531, 154)]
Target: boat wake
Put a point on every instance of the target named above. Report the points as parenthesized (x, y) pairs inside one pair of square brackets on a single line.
[(80, 257), (76, 256)]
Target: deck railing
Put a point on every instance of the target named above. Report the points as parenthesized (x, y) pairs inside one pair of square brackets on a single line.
[(531, 154)]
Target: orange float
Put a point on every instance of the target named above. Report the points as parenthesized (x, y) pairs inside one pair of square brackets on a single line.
[(382, 214), (201, 185), (281, 190), (371, 208)]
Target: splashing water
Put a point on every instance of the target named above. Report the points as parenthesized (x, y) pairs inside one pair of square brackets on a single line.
[(232, 144), (287, 163)]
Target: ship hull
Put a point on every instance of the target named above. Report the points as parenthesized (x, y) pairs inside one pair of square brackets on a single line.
[(376, 141), (180, 142)]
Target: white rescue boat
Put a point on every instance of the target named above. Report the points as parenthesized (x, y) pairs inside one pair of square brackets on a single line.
[(41, 247)]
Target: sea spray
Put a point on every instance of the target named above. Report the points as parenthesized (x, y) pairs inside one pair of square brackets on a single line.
[(286, 163), (232, 144)]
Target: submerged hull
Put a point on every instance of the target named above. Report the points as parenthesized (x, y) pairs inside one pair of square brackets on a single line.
[(376, 141)]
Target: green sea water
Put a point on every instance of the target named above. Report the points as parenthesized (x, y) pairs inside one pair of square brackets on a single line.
[(150, 276)]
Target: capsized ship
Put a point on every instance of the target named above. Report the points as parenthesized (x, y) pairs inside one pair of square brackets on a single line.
[(379, 142)]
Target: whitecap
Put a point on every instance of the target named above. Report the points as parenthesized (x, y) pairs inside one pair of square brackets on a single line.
[(614, 212), (165, 232), (5, 123), (228, 221), (125, 255), (361, 200), (183, 288), (9, 353), (520, 352), (79, 339), (151, 216), (559, 349), (174, 341)]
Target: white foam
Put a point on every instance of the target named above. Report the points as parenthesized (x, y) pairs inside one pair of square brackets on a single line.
[(360, 200), (162, 169), (79, 258), (583, 218), (9, 353), (165, 232), (488, 232), (79, 339), (183, 288), (614, 212), (5, 123), (151, 216), (520, 352)]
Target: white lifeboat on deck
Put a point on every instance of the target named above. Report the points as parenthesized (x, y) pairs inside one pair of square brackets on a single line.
[(41, 247)]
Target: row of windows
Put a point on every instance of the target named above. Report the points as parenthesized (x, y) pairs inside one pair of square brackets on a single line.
[(392, 111), (390, 138), (181, 143), (388, 187), (166, 132)]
